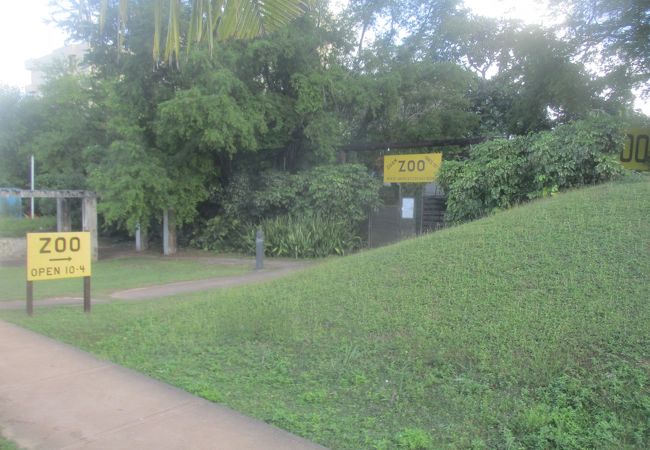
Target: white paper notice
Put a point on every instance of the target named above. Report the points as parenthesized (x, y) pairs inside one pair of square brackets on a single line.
[(408, 206)]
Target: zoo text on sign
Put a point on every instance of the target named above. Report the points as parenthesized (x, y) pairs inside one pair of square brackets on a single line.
[(636, 153), (58, 255), (419, 168)]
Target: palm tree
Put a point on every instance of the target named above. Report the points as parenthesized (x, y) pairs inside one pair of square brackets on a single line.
[(212, 20)]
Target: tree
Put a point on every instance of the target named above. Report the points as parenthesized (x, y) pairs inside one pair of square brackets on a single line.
[(173, 138), (172, 135), (14, 170), (125, 168), (535, 84), (415, 100), (614, 35), (65, 125), (413, 27), (57, 127)]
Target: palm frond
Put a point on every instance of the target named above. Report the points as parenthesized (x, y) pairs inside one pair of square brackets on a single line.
[(173, 42), (157, 17), (212, 20), (123, 11), (250, 18)]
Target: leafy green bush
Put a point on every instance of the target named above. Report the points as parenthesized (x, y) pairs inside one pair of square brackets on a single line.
[(324, 208), (308, 236), (345, 191), (225, 233), (302, 236), (505, 172)]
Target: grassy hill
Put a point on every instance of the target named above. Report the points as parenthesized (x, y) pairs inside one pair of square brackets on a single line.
[(527, 329)]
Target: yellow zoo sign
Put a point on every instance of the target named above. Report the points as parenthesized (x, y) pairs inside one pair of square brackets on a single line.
[(636, 153), (420, 168), (58, 255)]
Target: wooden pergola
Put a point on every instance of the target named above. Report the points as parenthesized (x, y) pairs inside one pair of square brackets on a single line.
[(63, 219)]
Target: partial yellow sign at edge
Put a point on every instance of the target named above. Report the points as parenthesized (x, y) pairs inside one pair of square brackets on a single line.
[(636, 153), (53, 256)]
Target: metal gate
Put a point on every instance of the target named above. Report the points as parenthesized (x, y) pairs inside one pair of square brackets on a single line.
[(434, 205), (387, 224)]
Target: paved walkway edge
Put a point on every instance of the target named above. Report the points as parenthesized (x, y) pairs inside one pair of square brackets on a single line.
[(54, 396)]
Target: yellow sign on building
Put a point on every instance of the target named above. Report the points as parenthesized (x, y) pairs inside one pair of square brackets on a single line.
[(420, 168), (636, 153), (58, 255)]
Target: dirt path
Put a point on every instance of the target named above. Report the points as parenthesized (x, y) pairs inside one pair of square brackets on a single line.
[(272, 269), (53, 396), (277, 270)]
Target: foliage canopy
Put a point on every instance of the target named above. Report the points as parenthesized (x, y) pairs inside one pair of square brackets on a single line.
[(149, 136)]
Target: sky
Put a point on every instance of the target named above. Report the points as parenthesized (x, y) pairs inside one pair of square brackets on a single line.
[(531, 12), (25, 33)]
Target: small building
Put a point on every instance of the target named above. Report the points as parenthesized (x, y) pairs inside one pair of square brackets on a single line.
[(71, 55)]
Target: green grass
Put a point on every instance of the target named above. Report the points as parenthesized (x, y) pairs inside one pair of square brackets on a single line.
[(528, 329), (116, 274), (12, 227), (6, 444)]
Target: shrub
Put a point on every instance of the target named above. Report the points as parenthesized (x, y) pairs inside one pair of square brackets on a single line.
[(505, 172), (224, 233), (254, 197), (318, 212), (300, 236), (308, 236), (344, 191)]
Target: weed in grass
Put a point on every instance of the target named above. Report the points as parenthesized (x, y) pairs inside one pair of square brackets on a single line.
[(413, 439)]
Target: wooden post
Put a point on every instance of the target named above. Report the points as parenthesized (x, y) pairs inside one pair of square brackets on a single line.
[(63, 221), (89, 219), (30, 298), (169, 233), (259, 249), (86, 294), (165, 232)]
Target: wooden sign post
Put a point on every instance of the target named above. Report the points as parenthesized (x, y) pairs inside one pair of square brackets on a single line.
[(52, 256)]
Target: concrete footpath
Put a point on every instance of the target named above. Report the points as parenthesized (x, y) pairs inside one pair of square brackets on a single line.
[(53, 396)]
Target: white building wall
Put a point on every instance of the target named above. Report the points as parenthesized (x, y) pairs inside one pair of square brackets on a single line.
[(73, 53)]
